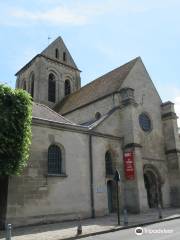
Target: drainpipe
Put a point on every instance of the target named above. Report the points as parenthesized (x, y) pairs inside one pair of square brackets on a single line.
[(91, 177)]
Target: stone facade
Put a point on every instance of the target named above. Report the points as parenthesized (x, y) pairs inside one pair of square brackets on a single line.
[(43, 65), (65, 197), (98, 130)]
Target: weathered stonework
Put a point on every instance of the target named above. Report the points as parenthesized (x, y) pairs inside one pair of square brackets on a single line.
[(84, 189)]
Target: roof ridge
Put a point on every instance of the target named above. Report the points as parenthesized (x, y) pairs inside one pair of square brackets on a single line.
[(135, 59)]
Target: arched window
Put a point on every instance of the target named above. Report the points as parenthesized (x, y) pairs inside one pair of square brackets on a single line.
[(54, 160), (24, 85), (57, 53), (109, 165), (32, 85), (51, 88), (67, 87)]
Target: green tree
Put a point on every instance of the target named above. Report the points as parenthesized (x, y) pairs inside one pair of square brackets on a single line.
[(15, 130)]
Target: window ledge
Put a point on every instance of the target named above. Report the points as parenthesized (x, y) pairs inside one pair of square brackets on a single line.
[(57, 175)]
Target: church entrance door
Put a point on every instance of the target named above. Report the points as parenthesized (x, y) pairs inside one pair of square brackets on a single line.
[(111, 195), (151, 185)]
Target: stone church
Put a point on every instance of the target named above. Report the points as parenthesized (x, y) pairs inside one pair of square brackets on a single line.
[(81, 135)]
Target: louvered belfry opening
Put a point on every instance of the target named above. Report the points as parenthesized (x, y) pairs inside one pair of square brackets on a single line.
[(51, 88), (32, 86), (67, 87)]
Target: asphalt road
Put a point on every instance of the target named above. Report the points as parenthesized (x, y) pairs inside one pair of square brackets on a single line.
[(161, 231)]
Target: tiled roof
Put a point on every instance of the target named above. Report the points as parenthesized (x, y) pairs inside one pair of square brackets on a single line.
[(101, 87), (43, 112)]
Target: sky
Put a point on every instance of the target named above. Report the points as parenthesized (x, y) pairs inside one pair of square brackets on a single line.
[(100, 35)]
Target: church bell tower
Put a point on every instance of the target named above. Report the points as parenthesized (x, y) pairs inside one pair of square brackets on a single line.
[(51, 75)]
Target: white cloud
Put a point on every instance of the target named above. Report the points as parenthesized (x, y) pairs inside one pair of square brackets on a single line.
[(177, 108), (58, 15), (61, 14), (78, 12)]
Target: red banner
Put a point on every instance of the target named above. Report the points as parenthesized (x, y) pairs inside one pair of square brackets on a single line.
[(129, 165)]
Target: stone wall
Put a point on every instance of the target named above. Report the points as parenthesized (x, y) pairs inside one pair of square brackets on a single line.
[(42, 67), (58, 44), (36, 197), (125, 123), (100, 146), (87, 113)]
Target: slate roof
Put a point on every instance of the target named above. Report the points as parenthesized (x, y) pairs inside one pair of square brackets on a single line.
[(95, 122), (41, 111), (99, 88)]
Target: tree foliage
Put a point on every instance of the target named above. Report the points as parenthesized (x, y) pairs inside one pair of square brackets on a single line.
[(15, 130)]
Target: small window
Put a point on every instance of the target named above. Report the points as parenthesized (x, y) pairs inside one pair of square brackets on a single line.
[(108, 162), (24, 85), (51, 88), (97, 115), (64, 56), (145, 122), (32, 85), (67, 87), (54, 160), (57, 53)]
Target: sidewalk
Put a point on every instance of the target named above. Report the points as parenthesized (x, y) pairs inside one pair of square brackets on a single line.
[(64, 230)]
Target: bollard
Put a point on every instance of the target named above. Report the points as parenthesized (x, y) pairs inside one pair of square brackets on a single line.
[(125, 217), (79, 227), (8, 231), (159, 211)]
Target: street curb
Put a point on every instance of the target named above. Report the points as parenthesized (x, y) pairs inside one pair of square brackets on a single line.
[(119, 229)]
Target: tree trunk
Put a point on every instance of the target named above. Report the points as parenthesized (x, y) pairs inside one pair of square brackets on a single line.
[(3, 200)]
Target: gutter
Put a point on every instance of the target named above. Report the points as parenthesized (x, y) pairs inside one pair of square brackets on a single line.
[(71, 128), (91, 177)]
